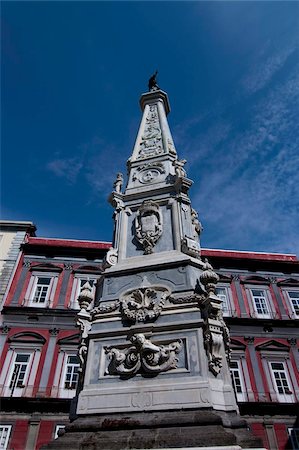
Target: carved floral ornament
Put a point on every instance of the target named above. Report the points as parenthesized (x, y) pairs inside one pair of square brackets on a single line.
[(142, 356), (145, 303), (148, 225), (137, 305)]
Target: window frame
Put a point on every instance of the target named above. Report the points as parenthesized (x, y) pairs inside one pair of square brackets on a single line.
[(33, 285), (7, 437), (268, 300), (269, 356), (241, 396), (282, 397), (290, 306), (247, 394), (27, 388), (67, 365), (230, 312), (58, 389)]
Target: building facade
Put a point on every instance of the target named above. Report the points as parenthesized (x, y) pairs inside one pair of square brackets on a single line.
[(12, 235), (39, 339)]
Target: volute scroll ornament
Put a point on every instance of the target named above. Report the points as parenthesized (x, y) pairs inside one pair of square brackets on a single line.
[(148, 225), (142, 357), (110, 258)]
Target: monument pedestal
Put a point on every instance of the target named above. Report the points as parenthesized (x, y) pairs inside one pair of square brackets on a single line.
[(158, 430)]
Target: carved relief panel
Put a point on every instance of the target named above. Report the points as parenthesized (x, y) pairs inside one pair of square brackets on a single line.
[(149, 173), (151, 140), (142, 356)]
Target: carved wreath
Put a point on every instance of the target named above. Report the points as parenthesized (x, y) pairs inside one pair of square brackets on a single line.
[(142, 356), (148, 225)]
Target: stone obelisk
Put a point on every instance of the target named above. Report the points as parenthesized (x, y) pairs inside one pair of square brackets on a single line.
[(155, 348)]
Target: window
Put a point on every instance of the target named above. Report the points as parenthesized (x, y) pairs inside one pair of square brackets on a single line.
[(71, 372), (19, 372), (281, 382), (66, 374), (57, 429), (293, 298), (224, 293), (41, 290), (79, 282), (294, 438), (238, 380), (4, 436), (261, 303)]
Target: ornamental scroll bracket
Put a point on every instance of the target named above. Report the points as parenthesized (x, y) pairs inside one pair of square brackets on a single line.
[(110, 259), (148, 225), (142, 356), (216, 333)]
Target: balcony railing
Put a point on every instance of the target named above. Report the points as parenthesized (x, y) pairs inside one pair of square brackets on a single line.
[(36, 392)]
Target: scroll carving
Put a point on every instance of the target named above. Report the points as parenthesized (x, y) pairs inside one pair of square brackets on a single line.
[(148, 225), (143, 356), (110, 258)]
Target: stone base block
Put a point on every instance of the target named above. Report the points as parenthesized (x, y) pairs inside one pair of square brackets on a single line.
[(172, 430)]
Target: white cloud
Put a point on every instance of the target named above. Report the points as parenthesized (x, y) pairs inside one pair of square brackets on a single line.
[(96, 162), (265, 67), (68, 168), (249, 188)]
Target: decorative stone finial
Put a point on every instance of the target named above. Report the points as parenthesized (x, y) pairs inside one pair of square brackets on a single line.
[(208, 277), (152, 82)]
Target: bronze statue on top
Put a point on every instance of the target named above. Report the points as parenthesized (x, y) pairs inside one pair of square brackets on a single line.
[(152, 82)]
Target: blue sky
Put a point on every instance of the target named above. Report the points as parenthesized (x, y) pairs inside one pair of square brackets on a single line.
[(72, 75)]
